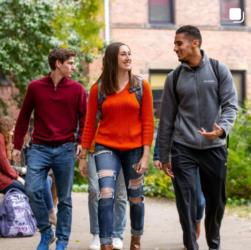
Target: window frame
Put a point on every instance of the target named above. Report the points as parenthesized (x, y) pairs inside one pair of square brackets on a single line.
[(232, 24), (157, 102), (242, 84), (163, 23)]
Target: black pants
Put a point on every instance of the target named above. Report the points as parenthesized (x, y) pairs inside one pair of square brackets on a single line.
[(212, 165)]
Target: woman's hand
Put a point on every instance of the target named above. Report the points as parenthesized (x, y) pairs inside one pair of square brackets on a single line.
[(21, 180), (142, 166), (82, 165)]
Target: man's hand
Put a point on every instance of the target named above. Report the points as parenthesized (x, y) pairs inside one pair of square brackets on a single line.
[(82, 165), (167, 168), (217, 132), (78, 149), (16, 156), (157, 164)]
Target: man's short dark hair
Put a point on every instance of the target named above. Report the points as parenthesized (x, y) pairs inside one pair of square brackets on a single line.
[(59, 54), (192, 31)]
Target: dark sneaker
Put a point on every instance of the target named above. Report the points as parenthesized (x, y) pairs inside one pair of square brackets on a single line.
[(47, 237)]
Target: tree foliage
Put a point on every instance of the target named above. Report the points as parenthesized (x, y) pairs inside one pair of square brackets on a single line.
[(30, 28), (25, 39), (77, 26)]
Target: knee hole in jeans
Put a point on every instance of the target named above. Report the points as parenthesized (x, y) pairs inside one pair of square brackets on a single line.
[(135, 200), (105, 173), (106, 193), (135, 184)]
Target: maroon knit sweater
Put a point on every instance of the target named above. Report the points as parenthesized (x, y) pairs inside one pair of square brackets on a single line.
[(58, 112)]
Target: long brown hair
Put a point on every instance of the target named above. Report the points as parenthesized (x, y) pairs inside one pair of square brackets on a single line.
[(6, 125), (109, 75)]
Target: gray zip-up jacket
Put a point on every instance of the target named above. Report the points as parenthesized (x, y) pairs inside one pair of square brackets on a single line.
[(202, 102)]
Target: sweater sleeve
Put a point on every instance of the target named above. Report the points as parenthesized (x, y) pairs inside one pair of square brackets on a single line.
[(23, 119), (147, 115), (5, 166), (90, 122)]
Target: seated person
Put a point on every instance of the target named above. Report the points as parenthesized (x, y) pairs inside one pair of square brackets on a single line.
[(9, 178)]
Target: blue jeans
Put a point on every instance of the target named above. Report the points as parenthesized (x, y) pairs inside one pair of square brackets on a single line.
[(119, 206), (40, 158), (109, 163), (47, 194), (200, 198)]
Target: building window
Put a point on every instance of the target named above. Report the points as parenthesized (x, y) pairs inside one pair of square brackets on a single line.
[(157, 79), (232, 12), (239, 80), (161, 11)]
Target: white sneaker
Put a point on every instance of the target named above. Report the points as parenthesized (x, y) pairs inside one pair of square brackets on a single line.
[(117, 243), (95, 243)]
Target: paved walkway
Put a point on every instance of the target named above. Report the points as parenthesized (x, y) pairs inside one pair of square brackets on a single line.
[(162, 230)]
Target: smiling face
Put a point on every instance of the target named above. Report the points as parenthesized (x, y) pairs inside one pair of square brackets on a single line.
[(185, 47), (124, 58)]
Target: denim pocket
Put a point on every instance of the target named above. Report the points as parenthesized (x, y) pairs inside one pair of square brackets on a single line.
[(99, 147)]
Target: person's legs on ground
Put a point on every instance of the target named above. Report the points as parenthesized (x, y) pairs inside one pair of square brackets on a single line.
[(135, 184), (93, 193), (185, 169), (39, 161), (200, 204), (54, 189), (63, 169), (108, 165), (213, 182), (49, 201), (120, 203)]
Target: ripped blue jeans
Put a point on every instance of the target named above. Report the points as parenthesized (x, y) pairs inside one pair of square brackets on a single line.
[(109, 162)]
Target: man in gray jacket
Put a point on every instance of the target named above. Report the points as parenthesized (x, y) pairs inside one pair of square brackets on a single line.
[(198, 109)]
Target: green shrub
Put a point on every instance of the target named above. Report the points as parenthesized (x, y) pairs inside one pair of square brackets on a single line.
[(239, 158), (158, 185)]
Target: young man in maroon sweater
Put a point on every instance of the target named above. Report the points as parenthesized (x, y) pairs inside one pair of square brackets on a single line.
[(59, 106)]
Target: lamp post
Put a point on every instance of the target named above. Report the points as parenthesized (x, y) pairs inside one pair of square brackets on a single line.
[(107, 21)]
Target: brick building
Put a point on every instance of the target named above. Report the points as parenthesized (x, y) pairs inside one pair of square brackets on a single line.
[(148, 27)]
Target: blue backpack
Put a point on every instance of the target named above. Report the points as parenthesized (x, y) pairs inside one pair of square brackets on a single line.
[(16, 217)]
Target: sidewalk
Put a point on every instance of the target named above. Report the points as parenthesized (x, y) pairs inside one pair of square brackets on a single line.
[(162, 230)]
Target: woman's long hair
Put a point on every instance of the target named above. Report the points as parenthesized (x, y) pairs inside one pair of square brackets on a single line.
[(6, 125), (109, 75)]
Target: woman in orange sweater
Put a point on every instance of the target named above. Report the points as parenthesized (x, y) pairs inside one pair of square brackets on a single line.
[(123, 139)]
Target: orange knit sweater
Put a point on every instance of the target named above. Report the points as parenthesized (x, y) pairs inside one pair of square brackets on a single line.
[(121, 127)]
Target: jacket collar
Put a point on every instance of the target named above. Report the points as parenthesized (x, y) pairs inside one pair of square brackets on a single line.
[(202, 63)]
